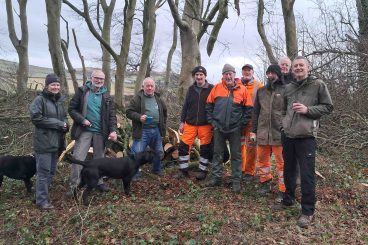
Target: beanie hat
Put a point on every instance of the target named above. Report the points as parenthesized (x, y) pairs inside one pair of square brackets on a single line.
[(275, 69), (51, 78), (199, 69), (247, 66), (227, 68)]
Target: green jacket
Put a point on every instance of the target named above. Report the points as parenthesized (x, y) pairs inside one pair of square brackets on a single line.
[(136, 109), (313, 93), (48, 115), (267, 113)]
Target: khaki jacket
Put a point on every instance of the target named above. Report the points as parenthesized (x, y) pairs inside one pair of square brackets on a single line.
[(313, 93), (267, 113)]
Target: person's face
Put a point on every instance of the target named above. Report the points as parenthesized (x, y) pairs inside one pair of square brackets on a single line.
[(228, 77), (247, 73), (53, 88), (285, 65), (98, 79), (200, 78), (149, 87), (271, 76), (300, 69)]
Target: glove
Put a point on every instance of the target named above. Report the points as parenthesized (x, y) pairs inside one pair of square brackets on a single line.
[(253, 137)]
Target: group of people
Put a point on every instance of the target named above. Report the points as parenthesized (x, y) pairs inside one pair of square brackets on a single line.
[(279, 118)]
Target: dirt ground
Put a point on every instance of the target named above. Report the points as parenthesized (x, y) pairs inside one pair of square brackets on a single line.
[(163, 210)]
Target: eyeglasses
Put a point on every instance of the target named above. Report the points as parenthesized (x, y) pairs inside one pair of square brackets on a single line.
[(99, 78)]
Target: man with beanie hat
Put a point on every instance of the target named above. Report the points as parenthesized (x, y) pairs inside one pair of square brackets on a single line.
[(266, 130), (93, 111), (228, 110), (248, 147), (193, 124)]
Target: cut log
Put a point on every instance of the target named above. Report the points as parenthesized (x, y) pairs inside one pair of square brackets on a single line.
[(173, 136), (320, 175), (119, 154), (68, 149)]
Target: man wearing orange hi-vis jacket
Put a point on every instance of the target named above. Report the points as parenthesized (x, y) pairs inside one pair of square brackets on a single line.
[(266, 130), (248, 147)]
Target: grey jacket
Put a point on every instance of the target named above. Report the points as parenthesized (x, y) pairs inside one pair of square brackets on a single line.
[(48, 115), (313, 93)]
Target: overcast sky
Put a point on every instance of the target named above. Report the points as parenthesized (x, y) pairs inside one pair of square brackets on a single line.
[(238, 33)]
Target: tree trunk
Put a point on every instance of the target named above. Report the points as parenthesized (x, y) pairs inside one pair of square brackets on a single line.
[(53, 8), (124, 52), (171, 53), (290, 28), (80, 57), (105, 33), (362, 49), (21, 45), (149, 29)]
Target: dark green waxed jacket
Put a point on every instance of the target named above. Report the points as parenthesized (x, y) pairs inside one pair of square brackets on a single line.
[(48, 115)]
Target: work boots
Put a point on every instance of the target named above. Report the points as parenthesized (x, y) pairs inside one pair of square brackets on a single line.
[(265, 188), (201, 175), (182, 173)]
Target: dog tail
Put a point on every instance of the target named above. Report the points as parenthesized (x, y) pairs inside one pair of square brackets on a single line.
[(75, 161)]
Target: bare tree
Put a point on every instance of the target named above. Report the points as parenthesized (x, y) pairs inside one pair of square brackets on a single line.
[(149, 30), (290, 28), (262, 32), (122, 57), (193, 24), (108, 10), (21, 45), (65, 49), (53, 9), (171, 52)]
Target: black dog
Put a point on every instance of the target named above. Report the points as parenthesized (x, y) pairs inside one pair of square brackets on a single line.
[(18, 167), (116, 168)]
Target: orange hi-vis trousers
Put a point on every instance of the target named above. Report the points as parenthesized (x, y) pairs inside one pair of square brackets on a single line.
[(264, 164), (190, 133), (248, 152)]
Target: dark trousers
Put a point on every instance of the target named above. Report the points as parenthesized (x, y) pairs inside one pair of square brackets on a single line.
[(300, 151), (219, 139)]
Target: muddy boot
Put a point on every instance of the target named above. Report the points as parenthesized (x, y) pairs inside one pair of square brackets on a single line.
[(182, 173), (236, 187), (305, 220), (212, 183), (265, 188), (201, 175)]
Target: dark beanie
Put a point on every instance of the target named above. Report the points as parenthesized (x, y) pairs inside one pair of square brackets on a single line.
[(51, 78), (227, 68), (275, 69), (199, 69)]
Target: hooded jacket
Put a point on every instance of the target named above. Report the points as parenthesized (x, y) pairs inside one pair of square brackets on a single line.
[(78, 111), (48, 115), (267, 113), (314, 94), (137, 108)]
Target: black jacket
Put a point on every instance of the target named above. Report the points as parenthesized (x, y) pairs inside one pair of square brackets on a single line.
[(48, 115), (194, 108), (137, 108), (77, 110)]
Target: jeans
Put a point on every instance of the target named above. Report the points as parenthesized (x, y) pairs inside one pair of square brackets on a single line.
[(150, 137), (82, 145), (300, 151), (46, 167), (219, 139)]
